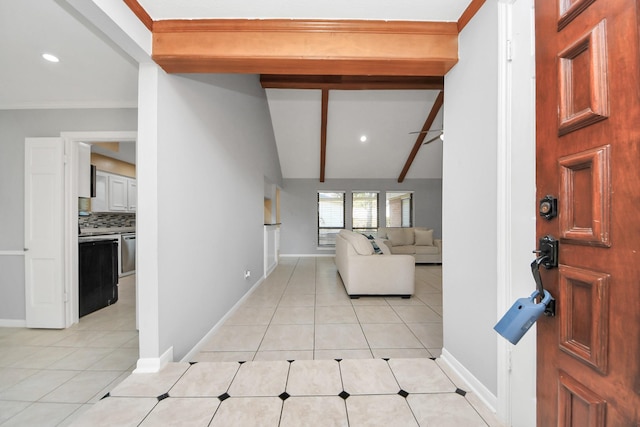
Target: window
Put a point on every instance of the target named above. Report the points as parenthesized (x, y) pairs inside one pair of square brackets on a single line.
[(330, 217), (399, 209), (365, 212)]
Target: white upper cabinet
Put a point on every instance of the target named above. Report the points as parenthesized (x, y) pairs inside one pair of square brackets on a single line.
[(84, 170), (100, 202), (132, 194), (118, 194), (114, 193)]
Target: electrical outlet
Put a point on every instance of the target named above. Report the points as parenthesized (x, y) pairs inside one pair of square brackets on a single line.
[(247, 274)]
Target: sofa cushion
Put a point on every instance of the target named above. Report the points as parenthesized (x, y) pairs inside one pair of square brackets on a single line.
[(400, 236), (359, 242), (424, 237), (404, 250), (427, 250)]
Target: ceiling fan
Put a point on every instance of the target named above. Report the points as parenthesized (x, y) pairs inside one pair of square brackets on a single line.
[(440, 135)]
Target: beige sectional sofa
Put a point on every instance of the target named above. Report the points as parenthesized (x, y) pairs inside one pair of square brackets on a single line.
[(415, 241), (364, 272)]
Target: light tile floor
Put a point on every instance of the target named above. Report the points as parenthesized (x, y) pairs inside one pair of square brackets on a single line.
[(50, 377), (302, 311), (257, 370), (299, 352)]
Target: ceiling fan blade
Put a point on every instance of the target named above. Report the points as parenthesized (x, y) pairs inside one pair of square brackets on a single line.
[(432, 139), (425, 131)]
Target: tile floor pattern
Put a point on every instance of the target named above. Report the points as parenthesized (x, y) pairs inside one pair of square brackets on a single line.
[(302, 311), (257, 369), (323, 393), (50, 377)]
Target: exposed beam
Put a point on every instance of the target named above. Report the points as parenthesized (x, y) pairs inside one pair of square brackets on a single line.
[(142, 14), (287, 81), (427, 125), (306, 47), (323, 132), (469, 13)]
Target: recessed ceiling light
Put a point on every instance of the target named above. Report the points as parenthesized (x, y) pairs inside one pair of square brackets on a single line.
[(49, 57), (363, 138)]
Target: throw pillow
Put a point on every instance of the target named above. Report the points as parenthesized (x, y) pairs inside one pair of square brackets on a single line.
[(424, 237), (374, 244), (398, 237)]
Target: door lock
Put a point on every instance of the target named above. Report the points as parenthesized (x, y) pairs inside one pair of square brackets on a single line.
[(548, 207)]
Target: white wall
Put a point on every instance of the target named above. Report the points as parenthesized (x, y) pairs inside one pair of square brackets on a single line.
[(469, 200), (489, 179), (299, 201), (214, 148), (15, 126)]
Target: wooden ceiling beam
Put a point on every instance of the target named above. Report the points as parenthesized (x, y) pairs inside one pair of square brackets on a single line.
[(306, 47), (323, 132), (288, 81), (427, 125)]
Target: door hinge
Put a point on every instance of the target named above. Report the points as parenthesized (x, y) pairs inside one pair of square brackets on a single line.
[(509, 51)]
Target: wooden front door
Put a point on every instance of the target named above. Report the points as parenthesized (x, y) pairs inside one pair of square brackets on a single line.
[(588, 134)]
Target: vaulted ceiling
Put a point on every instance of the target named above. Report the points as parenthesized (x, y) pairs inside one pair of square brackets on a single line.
[(330, 77)]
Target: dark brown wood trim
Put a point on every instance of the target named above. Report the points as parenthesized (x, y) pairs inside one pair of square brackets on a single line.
[(142, 14), (469, 13), (284, 81), (427, 125), (304, 25), (323, 132)]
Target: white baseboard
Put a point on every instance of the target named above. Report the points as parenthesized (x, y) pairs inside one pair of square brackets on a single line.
[(196, 348), (152, 365), (475, 385), (13, 323), (306, 255)]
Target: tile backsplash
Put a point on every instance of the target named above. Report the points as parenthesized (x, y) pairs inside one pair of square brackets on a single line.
[(107, 220)]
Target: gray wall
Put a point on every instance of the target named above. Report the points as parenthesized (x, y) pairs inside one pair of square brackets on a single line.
[(15, 126), (469, 205), (215, 148), (299, 211)]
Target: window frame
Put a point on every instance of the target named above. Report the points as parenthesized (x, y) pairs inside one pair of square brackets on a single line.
[(319, 238), (366, 230), (411, 197)]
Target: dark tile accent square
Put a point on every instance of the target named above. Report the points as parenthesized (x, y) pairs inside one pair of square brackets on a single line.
[(290, 361), (192, 363), (163, 397), (284, 396), (403, 393), (242, 361), (461, 392), (343, 394), (105, 396), (224, 397), (433, 358), (338, 360), (386, 359)]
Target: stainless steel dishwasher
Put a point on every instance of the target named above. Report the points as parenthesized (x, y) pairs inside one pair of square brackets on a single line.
[(128, 254)]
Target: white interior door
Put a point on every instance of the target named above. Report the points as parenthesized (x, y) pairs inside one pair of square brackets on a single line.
[(44, 233)]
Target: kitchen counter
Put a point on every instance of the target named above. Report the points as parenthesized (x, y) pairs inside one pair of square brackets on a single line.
[(84, 232)]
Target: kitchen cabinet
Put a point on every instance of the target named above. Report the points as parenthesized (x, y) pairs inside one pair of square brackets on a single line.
[(84, 170), (99, 203), (114, 193), (118, 193)]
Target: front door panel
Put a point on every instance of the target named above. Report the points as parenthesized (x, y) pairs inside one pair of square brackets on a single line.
[(588, 134)]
